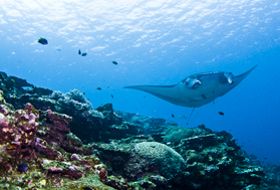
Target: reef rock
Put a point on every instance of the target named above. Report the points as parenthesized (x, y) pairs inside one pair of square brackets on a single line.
[(87, 123), (154, 158), (272, 178)]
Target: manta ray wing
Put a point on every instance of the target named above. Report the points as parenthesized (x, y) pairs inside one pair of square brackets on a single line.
[(170, 93), (239, 78)]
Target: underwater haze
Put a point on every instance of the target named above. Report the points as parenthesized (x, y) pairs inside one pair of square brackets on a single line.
[(157, 42)]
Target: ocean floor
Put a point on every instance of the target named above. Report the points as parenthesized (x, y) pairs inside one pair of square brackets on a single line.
[(53, 140)]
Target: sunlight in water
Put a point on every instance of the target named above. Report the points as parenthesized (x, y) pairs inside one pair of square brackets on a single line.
[(140, 22)]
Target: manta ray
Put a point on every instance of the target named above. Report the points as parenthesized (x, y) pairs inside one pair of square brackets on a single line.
[(196, 90)]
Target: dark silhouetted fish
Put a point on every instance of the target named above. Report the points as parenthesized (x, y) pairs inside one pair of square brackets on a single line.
[(221, 113), (84, 54), (43, 41), (115, 63)]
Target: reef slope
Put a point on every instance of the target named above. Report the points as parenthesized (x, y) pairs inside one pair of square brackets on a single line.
[(51, 140)]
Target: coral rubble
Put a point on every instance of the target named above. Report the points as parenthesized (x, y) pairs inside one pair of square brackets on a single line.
[(51, 140)]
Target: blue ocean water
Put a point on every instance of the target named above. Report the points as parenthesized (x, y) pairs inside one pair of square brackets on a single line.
[(154, 42)]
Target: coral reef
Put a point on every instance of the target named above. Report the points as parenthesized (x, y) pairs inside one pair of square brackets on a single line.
[(18, 92), (37, 151), (54, 140), (272, 178), (154, 157), (17, 134), (210, 160)]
